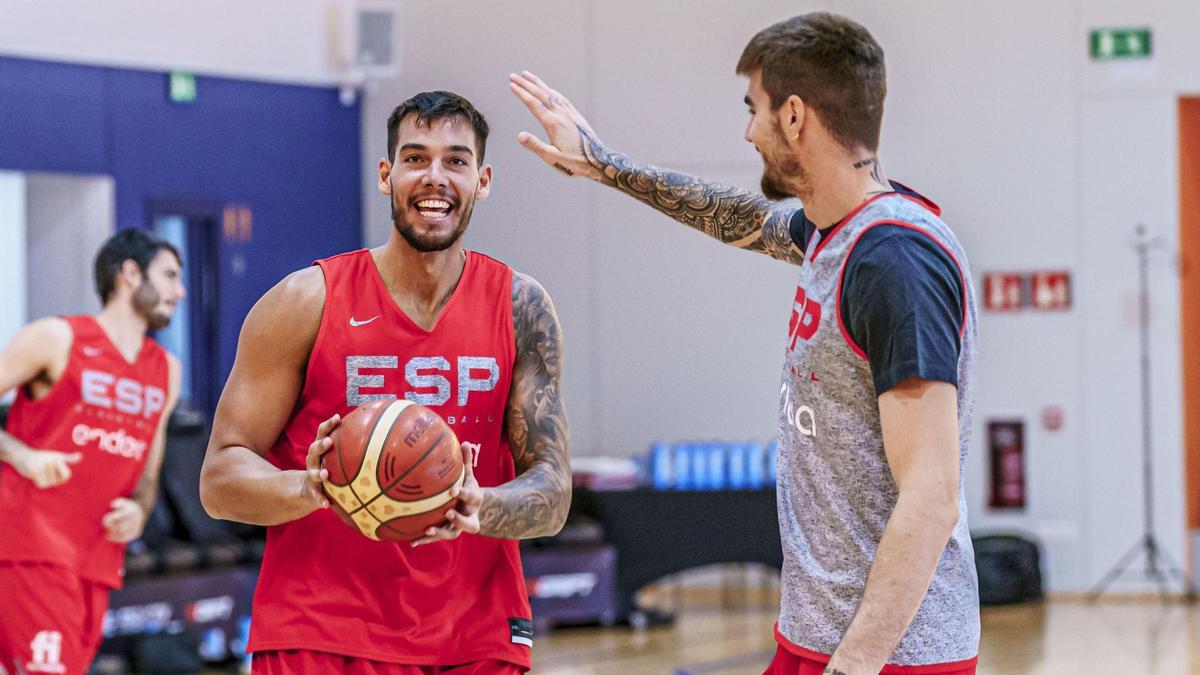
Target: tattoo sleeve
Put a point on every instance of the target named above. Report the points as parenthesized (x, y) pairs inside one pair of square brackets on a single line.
[(729, 214), (535, 503)]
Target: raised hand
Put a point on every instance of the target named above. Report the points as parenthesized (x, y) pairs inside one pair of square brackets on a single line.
[(572, 141)]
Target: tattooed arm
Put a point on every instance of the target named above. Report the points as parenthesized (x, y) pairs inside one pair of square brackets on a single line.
[(729, 214), (535, 503)]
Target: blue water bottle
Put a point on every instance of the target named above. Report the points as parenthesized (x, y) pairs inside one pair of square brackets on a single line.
[(735, 466), (756, 466), (681, 467), (716, 466), (660, 466), (772, 458), (701, 480)]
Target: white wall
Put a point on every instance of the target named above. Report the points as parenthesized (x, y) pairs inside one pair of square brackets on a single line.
[(69, 218), (1040, 158), (1129, 173), (12, 254), (281, 40)]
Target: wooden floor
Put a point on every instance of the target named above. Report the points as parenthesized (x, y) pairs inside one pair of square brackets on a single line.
[(1059, 637)]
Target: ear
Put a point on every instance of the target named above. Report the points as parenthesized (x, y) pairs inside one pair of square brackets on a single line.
[(385, 172), (131, 273), (791, 117), (485, 182)]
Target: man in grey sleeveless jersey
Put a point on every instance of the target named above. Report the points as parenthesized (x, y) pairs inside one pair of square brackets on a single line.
[(875, 402)]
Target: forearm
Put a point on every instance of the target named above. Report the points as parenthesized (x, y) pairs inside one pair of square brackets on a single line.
[(242, 486), (726, 213), (534, 504), (11, 448), (145, 492), (908, 554)]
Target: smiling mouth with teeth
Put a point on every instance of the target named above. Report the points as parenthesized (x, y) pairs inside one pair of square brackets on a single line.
[(433, 209)]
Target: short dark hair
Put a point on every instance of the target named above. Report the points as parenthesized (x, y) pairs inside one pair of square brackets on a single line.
[(132, 244), (435, 105), (833, 64)]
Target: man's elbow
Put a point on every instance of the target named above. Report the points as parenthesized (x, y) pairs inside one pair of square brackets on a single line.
[(937, 506), (562, 507), (943, 510), (210, 492), (559, 506)]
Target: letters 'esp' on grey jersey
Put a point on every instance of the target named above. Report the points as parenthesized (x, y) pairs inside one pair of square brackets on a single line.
[(835, 489)]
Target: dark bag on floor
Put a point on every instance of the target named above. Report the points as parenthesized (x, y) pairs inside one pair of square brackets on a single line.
[(1009, 569)]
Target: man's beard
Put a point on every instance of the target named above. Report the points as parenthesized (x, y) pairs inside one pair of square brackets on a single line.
[(146, 301), (431, 243), (783, 176)]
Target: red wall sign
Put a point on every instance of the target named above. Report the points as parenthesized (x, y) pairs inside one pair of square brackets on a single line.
[(1052, 417), (1050, 290), (1002, 291), (1011, 291)]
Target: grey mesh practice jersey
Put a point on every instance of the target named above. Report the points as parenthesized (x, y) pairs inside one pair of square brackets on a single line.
[(836, 491)]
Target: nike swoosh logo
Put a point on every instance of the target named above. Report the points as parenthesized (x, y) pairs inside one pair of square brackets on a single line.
[(91, 351), (356, 324)]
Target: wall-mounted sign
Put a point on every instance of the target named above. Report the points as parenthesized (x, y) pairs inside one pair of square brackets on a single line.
[(1053, 417), (1050, 290), (1012, 291), (181, 87), (1006, 452), (1002, 292), (1120, 43)]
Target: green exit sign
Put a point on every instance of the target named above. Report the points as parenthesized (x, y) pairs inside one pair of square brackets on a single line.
[(1120, 43), (181, 87)]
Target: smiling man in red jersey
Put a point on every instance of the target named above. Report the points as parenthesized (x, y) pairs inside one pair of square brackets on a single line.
[(79, 462), (419, 318)]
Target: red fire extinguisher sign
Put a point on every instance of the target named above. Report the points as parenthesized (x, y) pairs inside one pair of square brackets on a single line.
[(1006, 447)]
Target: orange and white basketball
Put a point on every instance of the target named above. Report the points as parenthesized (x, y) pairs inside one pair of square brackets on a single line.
[(391, 469)]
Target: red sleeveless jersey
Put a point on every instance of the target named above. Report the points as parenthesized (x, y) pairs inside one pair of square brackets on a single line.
[(106, 408), (325, 586)]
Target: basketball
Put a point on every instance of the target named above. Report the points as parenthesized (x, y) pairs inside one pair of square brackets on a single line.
[(391, 469)]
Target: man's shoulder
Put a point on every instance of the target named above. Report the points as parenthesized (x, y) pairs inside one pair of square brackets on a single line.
[(527, 291), (52, 335), (290, 311), (54, 328), (304, 286)]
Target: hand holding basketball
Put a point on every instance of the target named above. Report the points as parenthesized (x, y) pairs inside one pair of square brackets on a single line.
[(311, 490), (394, 470), (465, 516)]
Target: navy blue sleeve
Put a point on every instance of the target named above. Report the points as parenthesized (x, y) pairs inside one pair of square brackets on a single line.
[(801, 229), (902, 303)]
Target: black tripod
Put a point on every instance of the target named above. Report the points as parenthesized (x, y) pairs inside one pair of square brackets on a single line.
[(1156, 556)]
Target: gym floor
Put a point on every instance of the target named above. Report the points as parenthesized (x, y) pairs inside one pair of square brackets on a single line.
[(1066, 635)]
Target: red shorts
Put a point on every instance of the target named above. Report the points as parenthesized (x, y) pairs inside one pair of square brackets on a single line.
[(51, 621), (301, 661), (792, 659)]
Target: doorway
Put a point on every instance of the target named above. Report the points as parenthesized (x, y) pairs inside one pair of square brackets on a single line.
[(194, 229), (1189, 248)]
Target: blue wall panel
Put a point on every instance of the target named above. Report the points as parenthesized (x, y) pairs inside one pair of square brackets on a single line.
[(289, 153)]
